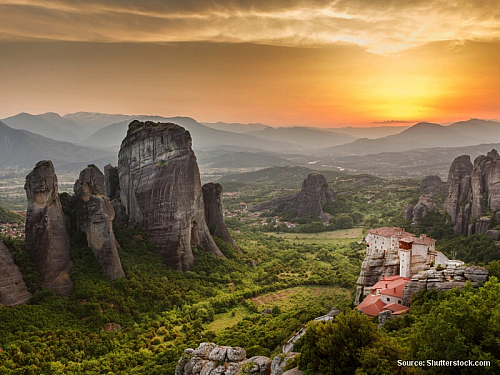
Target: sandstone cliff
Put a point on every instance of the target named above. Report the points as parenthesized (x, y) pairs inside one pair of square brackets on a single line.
[(111, 182), (95, 216), (472, 188), (314, 193), (47, 240), (212, 197), (161, 190), (12, 287), (444, 280)]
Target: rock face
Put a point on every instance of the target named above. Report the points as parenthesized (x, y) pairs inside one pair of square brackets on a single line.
[(472, 189), (430, 185), (422, 208), (314, 193), (161, 190), (212, 197), (12, 287), (280, 361), (444, 280), (47, 240), (111, 182), (95, 216)]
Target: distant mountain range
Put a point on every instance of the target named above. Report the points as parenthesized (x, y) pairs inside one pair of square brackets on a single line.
[(22, 149), (424, 135), (77, 139), (203, 136)]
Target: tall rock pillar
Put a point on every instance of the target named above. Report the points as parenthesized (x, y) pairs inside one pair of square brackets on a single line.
[(47, 240)]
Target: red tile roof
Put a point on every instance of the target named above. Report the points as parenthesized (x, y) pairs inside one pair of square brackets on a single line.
[(389, 232), (394, 290), (390, 281), (371, 305), (396, 307)]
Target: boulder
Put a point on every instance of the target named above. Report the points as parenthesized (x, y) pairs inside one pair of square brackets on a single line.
[(314, 194), (13, 290), (161, 190), (235, 354), (261, 365), (280, 361), (293, 371), (95, 215), (212, 198), (47, 239)]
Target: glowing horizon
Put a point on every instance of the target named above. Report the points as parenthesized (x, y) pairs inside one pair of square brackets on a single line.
[(316, 63)]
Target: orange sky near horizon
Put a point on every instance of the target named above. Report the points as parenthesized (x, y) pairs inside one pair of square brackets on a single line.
[(327, 64)]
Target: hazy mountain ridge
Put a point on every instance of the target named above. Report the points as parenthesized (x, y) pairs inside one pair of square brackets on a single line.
[(203, 136), (24, 149), (422, 135), (49, 125)]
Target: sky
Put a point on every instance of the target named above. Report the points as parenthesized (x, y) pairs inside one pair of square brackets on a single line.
[(282, 63)]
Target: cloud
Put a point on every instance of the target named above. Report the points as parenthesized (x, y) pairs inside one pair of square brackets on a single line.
[(379, 26)]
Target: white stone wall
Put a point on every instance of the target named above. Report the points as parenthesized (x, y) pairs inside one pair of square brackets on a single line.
[(404, 263), (391, 299)]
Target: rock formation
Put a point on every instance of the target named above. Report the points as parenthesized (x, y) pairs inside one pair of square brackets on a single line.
[(471, 189), (111, 182), (444, 280), (431, 185), (314, 193), (95, 216), (422, 208), (12, 287), (161, 190), (211, 359), (457, 202), (212, 197), (47, 240)]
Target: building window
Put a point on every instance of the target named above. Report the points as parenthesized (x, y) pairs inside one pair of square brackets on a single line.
[(388, 299), (399, 301)]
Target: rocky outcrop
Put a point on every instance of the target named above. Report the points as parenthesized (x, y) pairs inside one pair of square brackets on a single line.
[(280, 361), (431, 185), (408, 212), (211, 359), (314, 194), (383, 317), (459, 179), (423, 206), (161, 190), (95, 215), (47, 240), (13, 290), (472, 189), (214, 216), (111, 182), (443, 280), (374, 266)]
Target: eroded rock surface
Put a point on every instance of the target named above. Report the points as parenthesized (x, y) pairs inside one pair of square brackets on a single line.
[(13, 290), (444, 280), (111, 182), (161, 190), (214, 216), (47, 240), (472, 189), (314, 194), (95, 215)]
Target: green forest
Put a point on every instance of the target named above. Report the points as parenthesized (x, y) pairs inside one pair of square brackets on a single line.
[(141, 324)]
